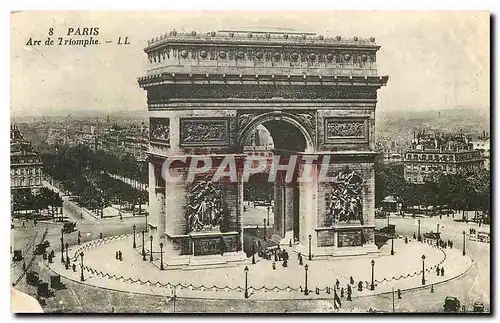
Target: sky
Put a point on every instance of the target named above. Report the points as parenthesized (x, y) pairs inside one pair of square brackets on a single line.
[(433, 59)]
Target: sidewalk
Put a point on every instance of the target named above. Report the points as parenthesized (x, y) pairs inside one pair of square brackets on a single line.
[(138, 276)]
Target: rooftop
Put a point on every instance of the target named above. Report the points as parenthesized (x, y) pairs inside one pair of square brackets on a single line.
[(256, 36)]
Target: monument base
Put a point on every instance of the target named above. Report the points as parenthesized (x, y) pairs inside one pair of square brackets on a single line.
[(326, 252), (190, 262)]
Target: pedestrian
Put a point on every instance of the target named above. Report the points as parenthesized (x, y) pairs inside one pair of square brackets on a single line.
[(24, 266), (258, 244), (81, 215), (100, 235), (349, 293), (74, 267), (285, 263), (360, 286), (342, 292), (414, 236), (120, 255), (337, 283), (399, 293), (351, 281), (116, 255), (300, 260), (442, 271), (437, 270), (24, 225), (451, 244)]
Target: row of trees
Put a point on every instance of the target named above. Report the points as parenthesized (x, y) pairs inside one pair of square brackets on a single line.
[(458, 191), (44, 199), (85, 174)]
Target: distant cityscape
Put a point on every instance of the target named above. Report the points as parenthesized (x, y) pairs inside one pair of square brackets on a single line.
[(425, 156)]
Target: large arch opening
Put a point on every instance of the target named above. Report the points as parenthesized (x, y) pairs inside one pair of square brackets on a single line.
[(271, 208)]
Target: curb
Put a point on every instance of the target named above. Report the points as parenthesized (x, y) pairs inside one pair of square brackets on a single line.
[(227, 298)]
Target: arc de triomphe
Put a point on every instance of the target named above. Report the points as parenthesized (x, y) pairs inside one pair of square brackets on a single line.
[(208, 92)]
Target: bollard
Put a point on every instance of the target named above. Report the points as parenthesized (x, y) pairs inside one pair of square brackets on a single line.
[(432, 289), (290, 243)]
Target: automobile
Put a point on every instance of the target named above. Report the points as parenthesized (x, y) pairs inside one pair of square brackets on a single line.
[(390, 229), (432, 235), (41, 248), (18, 256), (483, 236), (262, 203), (32, 278), (478, 307), (69, 227), (451, 304)]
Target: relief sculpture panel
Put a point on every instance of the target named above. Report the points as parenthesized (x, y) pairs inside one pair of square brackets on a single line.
[(343, 130), (201, 132), (344, 201), (206, 209), (159, 130)]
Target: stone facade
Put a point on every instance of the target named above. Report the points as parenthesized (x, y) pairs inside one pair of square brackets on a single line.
[(206, 95)]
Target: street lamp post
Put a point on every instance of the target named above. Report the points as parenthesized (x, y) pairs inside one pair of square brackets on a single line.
[(388, 219), (143, 250), (419, 237), (246, 281), (81, 274), (372, 287), (134, 245), (310, 256), (67, 256), (161, 256), (423, 269), (147, 222), (265, 230), (62, 250), (62, 246), (268, 208), (253, 251), (463, 249), (306, 290), (392, 246), (151, 248)]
